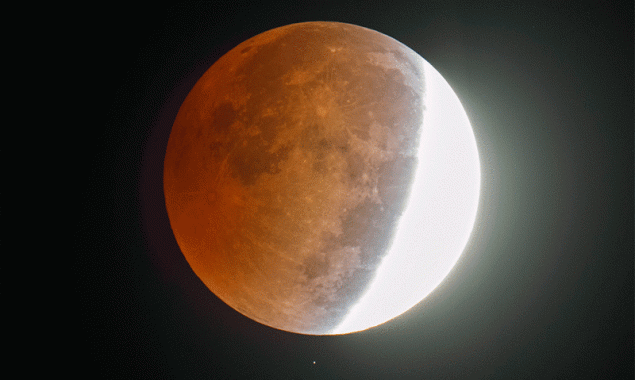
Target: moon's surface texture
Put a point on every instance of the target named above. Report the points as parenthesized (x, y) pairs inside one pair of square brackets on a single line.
[(321, 178)]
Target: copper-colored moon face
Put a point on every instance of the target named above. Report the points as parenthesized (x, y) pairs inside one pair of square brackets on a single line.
[(288, 167)]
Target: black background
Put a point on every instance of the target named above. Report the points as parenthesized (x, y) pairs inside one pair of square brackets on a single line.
[(544, 288)]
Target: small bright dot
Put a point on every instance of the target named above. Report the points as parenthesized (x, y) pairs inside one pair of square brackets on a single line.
[(314, 362)]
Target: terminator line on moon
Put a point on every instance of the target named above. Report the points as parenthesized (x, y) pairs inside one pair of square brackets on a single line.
[(321, 178)]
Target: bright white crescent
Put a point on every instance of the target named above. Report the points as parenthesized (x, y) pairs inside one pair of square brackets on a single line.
[(439, 219)]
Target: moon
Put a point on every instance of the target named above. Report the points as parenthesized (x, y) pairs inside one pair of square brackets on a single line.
[(321, 178)]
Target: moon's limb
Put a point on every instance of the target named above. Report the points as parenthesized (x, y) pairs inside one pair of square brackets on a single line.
[(436, 226)]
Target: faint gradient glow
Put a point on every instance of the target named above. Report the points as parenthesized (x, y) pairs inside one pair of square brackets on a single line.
[(435, 228)]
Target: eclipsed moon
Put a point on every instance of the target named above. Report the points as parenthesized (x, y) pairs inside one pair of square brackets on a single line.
[(321, 178)]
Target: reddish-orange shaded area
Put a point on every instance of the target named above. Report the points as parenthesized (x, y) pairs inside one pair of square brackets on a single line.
[(287, 167)]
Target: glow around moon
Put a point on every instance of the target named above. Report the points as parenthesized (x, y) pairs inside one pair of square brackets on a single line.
[(438, 222), (321, 178)]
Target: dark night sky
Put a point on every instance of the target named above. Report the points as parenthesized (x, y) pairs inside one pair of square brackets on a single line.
[(544, 288)]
